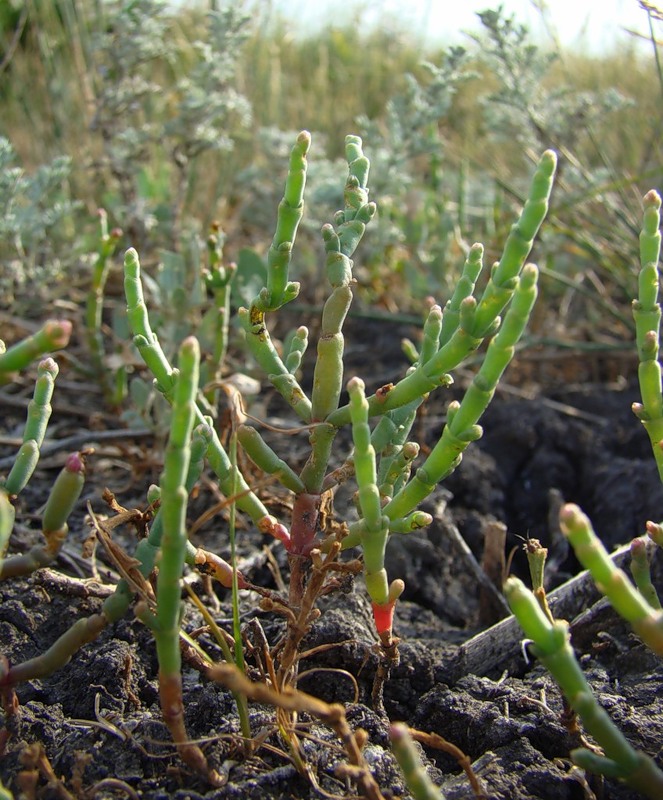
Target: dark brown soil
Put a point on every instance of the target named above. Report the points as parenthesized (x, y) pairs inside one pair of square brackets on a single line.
[(99, 716)]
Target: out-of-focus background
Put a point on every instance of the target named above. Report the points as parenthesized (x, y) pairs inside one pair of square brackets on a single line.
[(174, 115), (591, 25)]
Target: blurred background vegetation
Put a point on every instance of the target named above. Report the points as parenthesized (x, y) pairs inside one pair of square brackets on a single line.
[(173, 117)]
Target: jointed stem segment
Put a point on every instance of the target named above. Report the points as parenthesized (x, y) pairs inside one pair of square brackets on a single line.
[(61, 501), (153, 355), (279, 290), (646, 621), (39, 412), (647, 315), (551, 645), (53, 335), (165, 622), (462, 418)]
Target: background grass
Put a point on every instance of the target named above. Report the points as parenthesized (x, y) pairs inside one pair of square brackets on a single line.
[(450, 162)]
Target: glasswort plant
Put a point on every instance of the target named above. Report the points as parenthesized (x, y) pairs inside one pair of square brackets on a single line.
[(639, 605), (381, 463)]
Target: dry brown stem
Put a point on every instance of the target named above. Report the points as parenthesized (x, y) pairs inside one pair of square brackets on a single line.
[(294, 701), (170, 691), (438, 742)]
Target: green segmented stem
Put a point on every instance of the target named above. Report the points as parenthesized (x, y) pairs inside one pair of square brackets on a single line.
[(218, 280), (279, 290), (650, 236), (95, 299), (64, 494), (61, 501), (518, 245), (148, 548), (376, 525), (289, 388), (164, 375), (647, 316), (641, 571), (39, 408), (23, 467), (611, 581), (410, 351), (139, 324), (39, 412), (394, 427), (321, 440), (230, 476), (298, 345), (7, 514), (53, 335), (264, 457), (416, 778), (327, 376), (413, 522), (355, 195), (364, 458), (464, 288), (397, 470), (291, 210), (165, 624), (423, 378), (60, 653), (262, 349), (430, 342), (173, 509), (551, 645), (328, 372), (461, 427), (340, 245)]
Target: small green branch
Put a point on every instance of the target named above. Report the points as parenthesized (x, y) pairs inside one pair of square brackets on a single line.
[(61, 502), (645, 620), (409, 760), (647, 315), (39, 412), (462, 418), (517, 247), (53, 335), (279, 289), (551, 645), (164, 375), (165, 623), (95, 300)]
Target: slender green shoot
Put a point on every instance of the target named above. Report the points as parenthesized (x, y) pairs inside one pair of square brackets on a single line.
[(237, 630), (409, 760), (39, 413), (551, 645), (611, 581), (62, 500), (165, 623), (53, 335), (641, 570), (647, 315), (95, 299)]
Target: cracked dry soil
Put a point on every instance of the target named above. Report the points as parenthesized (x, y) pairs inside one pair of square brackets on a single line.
[(99, 717)]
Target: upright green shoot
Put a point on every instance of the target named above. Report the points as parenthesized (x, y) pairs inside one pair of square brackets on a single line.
[(165, 620), (647, 315), (551, 645)]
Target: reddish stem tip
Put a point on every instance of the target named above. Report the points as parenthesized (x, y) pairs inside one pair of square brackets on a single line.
[(383, 614), (74, 463)]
